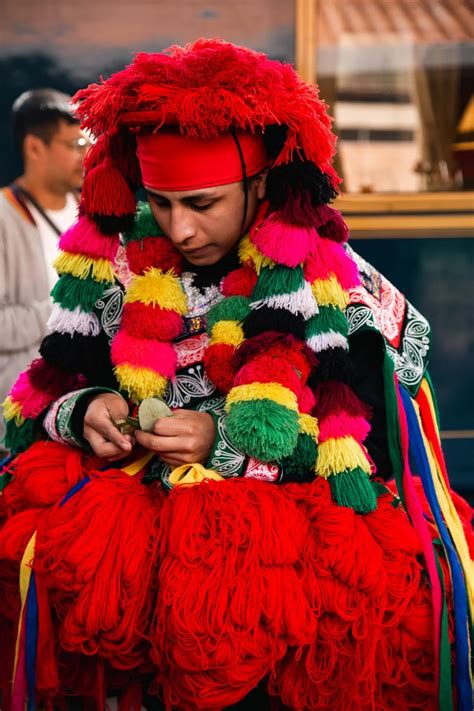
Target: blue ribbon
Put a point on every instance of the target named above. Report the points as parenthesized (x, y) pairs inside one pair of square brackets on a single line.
[(461, 618), (31, 640)]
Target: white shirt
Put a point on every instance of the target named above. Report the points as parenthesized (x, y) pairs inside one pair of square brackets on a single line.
[(63, 219)]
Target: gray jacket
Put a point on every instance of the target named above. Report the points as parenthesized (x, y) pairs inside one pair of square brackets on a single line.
[(25, 304)]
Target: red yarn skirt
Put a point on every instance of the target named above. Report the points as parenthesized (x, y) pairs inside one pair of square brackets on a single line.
[(215, 587)]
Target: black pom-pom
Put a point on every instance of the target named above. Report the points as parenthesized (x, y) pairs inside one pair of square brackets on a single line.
[(297, 189), (334, 364), (111, 224), (88, 355), (273, 319), (274, 139)]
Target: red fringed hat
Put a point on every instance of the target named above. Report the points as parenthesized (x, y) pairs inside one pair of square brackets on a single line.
[(205, 90)]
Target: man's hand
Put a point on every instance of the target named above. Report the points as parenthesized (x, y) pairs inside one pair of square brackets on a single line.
[(184, 438), (99, 429)]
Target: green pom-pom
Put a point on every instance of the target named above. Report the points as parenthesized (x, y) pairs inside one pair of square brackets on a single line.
[(300, 465), (19, 437), (353, 489), (69, 292), (278, 280), (144, 225), (263, 429), (233, 308), (328, 319)]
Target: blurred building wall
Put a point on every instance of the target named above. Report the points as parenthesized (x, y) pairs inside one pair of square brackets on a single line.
[(68, 45)]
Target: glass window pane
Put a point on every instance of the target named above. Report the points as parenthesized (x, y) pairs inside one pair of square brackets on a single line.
[(398, 78)]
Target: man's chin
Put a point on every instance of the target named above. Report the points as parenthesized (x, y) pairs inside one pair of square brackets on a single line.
[(204, 257)]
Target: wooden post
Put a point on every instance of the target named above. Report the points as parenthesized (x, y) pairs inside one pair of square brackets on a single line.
[(305, 39)]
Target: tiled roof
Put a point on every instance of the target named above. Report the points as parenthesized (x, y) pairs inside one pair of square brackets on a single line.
[(420, 21)]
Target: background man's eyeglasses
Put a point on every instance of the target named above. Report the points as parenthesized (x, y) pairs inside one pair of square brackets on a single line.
[(78, 144)]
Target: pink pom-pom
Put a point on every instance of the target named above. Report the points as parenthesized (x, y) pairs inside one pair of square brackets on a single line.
[(145, 353), (327, 258), (32, 400), (84, 238), (284, 243), (343, 425)]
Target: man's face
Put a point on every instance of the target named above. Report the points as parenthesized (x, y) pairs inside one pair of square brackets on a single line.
[(205, 224), (61, 161)]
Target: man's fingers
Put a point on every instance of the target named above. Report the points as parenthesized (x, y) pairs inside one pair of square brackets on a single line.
[(105, 449), (161, 444), (111, 433), (173, 426), (117, 408)]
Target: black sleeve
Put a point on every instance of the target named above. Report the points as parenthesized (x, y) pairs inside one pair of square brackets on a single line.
[(367, 352)]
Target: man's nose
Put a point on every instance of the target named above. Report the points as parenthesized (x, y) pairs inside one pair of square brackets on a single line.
[(182, 225)]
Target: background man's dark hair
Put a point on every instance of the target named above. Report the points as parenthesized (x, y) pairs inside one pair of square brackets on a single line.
[(39, 112)]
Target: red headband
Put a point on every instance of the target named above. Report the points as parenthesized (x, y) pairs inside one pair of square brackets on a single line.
[(172, 161)]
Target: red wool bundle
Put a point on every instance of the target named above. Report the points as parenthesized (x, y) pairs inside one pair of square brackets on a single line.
[(229, 601), (99, 573), (44, 474)]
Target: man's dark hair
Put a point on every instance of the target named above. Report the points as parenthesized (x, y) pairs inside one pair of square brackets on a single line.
[(39, 112)]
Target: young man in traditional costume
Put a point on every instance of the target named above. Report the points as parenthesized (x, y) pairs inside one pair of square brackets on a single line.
[(247, 539)]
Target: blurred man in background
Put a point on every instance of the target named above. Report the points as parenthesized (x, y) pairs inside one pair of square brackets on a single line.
[(34, 210)]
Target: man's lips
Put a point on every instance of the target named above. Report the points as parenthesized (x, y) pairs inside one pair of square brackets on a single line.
[(195, 250)]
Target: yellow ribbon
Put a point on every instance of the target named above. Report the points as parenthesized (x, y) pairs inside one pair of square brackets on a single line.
[(25, 575), (450, 515), (135, 467), (192, 474)]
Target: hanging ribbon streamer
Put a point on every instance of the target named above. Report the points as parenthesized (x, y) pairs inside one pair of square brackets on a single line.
[(420, 455)]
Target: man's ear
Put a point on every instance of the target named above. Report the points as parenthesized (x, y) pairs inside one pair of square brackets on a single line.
[(33, 147), (260, 181)]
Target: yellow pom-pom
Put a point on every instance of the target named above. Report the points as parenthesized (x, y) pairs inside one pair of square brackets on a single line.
[(329, 292), (12, 411), (158, 288), (248, 252), (230, 332), (339, 454), (82, 267), (309, 425), (262, 391), (140, 383)]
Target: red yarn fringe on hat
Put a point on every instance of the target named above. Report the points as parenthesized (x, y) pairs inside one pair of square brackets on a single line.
[(207, 88)]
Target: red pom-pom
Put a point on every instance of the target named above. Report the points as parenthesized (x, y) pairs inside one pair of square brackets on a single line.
[(334, 397), (331, 224), (240, 282), (47, 377), (156, 252), (272, 342), (270, 369), (306, 400), (155, 322), (219, 365), (105, 192)]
